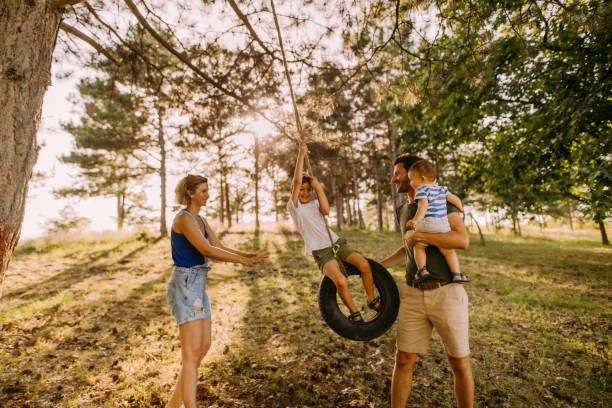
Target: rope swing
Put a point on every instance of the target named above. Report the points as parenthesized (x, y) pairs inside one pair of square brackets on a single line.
[(383, 281), (301, 134)]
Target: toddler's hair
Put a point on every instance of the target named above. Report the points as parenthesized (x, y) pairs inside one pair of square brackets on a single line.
[(425, 168), (306, 179), (187, 184)]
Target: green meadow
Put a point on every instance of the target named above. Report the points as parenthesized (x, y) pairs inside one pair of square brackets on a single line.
[(85, 323)]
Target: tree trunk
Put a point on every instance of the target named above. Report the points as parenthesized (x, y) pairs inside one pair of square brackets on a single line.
[(256, 150), (391, 154), (222, 201), (357, 209), (349, 212), (379, 204), (163, 228), (227, 204), (120, 209), (482, 241), (604, 234), (275, 198), (570, 216), (338, 198), (28, 31)]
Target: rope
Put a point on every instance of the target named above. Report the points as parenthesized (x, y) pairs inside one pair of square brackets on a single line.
[(298, 123)]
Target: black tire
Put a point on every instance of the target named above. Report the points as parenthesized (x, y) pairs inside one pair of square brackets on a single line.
[(371, 328)]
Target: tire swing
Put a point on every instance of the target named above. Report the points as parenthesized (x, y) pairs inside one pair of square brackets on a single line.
[(374, 323)]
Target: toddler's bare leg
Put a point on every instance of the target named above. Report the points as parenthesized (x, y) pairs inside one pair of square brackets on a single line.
[(452, 260), (420, 258)]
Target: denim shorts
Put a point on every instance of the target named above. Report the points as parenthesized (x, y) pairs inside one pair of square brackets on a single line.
[(186, 293)]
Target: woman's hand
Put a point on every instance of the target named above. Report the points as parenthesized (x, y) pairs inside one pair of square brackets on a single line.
[(260, 255), (254, 258)]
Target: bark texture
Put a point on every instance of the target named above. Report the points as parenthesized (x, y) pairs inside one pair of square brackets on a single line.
[(161, 139), (28, 30)]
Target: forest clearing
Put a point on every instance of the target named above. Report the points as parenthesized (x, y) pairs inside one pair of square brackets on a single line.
[(85, 323)]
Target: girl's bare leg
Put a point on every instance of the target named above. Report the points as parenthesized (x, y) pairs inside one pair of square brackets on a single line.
[(364, 267), (195, 339), (332, 270)]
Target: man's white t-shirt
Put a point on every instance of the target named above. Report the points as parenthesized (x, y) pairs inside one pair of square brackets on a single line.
[(309, 222)]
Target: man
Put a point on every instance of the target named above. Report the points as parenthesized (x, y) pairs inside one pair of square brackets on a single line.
[(436, 303)]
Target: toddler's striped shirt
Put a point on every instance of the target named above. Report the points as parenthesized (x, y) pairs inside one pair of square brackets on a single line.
[(436, 199)]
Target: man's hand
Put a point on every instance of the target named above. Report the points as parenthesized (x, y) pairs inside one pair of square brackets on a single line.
[(409, 238), (411, 225)]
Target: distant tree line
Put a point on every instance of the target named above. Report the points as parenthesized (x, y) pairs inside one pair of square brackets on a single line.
[(510, 99)]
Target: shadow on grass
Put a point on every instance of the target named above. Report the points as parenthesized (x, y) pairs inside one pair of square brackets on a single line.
[(287, 356), (75, 274), (82, 352)]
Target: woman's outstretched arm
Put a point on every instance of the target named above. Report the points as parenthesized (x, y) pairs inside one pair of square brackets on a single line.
[(216, 242), (195, 237)]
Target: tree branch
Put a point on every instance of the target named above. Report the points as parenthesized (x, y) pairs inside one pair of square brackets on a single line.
[(58, 4), (245, 20), (177, 54), (77, 33), (125, 43)]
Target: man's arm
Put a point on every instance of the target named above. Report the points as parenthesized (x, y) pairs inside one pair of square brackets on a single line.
[(395, 258), (456, 238)]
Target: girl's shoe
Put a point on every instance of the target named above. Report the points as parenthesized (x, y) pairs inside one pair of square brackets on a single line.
[(375, 304), (356, 317)]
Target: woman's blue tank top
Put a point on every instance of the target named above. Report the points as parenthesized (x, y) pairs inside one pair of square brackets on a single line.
[(183, 253)]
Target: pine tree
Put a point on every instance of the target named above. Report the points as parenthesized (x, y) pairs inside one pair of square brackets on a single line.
[(105, 139)]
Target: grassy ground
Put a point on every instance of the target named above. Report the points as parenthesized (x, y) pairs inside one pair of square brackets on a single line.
[(84, 323)]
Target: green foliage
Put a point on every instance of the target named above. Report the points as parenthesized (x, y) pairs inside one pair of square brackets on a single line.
[(514, 101), (105, 142)]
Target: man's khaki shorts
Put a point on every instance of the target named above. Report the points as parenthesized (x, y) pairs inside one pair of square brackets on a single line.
[(323, 256), (445, 308)]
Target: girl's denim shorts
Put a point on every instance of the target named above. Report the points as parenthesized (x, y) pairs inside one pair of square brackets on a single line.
[(186, 293)]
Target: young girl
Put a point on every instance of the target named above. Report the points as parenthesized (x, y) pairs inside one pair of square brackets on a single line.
[(193, 244), (306, 212), (431, 216)]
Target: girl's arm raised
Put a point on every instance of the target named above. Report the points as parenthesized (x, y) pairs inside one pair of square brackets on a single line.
[(297, 175), (323, 202)]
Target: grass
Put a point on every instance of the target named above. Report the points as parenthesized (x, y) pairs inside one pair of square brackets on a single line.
[(84, 323)]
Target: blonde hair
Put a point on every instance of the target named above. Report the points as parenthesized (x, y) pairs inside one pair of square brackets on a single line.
[(425, 168), (188, 184)]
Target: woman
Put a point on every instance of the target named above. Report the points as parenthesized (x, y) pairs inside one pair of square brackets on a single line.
[(194, 243)]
